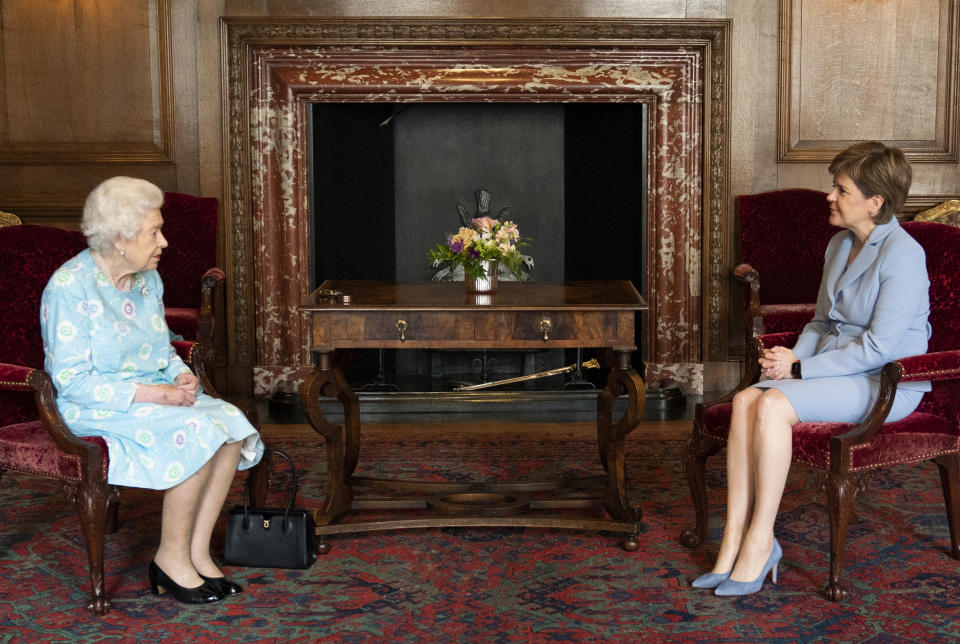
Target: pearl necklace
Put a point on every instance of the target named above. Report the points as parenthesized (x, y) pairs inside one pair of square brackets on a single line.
[(98, 258)]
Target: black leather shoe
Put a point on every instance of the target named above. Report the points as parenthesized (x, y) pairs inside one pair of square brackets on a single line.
[(226, 586), (160, 582)]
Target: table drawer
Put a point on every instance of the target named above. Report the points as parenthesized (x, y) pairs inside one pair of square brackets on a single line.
[(566, 328), (374, 328)]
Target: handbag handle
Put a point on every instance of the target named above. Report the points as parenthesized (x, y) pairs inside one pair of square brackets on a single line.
[(293, 491)]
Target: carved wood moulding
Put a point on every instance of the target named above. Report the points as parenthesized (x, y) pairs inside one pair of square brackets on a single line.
[(276, 68), (869, 71), (91, 81)]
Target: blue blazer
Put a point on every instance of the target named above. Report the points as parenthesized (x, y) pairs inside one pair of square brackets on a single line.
[(870, 312)]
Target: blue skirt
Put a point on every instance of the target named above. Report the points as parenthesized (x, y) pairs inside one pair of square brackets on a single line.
[(840, 399)]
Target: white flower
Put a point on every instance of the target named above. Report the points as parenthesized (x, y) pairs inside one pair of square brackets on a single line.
[(157, 322), (66, 375), (180, 439), (66, 331), (128, 367), (62, 277), (146, 461), (145, 437), (121, 327), (128, 309), (103, 392), (71, 413), (174, 472), (100, 414), (145, 350)]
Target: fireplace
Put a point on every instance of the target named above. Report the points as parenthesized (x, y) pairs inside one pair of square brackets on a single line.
[(276, 69), (390, 181)]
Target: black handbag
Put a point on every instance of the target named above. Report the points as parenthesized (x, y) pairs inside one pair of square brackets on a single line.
[(271, 537)]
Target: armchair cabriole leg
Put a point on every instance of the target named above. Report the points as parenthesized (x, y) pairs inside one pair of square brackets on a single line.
[(949, 466), (91, 500), (696, 450), (841, 492)]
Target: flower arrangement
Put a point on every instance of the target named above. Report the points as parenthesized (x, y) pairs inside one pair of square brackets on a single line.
[(485, 240)]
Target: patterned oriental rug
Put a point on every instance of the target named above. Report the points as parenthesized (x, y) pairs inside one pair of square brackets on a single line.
[(500, 585)]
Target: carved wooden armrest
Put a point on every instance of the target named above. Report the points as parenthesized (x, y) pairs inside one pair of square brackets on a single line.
[(750, 276), (942, 365), (199, 357), (20, 378), (208, 282)]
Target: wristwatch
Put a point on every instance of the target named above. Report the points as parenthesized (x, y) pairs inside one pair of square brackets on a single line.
[(795, 370)]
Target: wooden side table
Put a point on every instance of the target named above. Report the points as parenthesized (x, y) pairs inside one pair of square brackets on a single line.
[(441, 315)]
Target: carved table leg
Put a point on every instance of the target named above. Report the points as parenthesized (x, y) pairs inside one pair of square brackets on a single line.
[(342, 441), (611, 435)]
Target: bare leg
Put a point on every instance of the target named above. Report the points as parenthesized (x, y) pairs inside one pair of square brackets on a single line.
[(772, 451), (740, 477), (179, 514), (222, 469)]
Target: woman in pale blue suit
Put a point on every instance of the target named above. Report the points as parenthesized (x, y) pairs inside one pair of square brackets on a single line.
[(872, 308), (108, 351)]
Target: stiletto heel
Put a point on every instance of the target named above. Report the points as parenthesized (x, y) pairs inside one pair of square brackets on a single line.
[(731, 587), (160, 582), (711, 579)]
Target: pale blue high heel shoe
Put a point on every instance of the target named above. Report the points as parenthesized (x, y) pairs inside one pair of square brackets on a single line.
[(711, 579), (731, 587)]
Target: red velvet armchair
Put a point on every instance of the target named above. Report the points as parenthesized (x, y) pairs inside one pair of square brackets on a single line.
[(190, 226), (845, 451), (783, 235), (33, 436)]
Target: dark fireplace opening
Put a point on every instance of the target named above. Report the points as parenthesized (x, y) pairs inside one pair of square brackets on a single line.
[(386, 182)]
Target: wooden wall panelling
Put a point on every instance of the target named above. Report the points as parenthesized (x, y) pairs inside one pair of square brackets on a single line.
[(85, 94), (854, 71)]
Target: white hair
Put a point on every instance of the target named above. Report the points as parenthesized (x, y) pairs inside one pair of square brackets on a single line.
[(116, 208)]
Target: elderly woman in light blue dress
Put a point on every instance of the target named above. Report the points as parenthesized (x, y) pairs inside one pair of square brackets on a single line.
[(117, 376), (872, 308)]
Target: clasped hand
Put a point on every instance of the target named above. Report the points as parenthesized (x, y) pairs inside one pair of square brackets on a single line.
[(776, 362), (182, 393)]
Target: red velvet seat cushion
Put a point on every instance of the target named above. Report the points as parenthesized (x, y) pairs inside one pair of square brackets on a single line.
[(27, 447), (919, 436)]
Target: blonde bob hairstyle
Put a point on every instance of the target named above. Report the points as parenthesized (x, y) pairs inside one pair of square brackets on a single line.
[(876, 169), (116, 208)]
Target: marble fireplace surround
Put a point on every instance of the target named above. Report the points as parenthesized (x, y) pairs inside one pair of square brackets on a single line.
[(274, 68)]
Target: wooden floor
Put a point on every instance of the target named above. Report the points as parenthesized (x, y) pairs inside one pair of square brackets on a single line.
[(647, 430)]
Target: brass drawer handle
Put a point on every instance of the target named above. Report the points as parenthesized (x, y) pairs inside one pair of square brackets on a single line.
[(545, 326), (402, 328)]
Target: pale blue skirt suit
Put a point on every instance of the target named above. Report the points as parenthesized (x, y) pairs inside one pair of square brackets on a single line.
[(868, 313), (100, 343)]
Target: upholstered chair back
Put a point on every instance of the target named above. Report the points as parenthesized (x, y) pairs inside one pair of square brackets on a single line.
[(190, 226), (941, 243), (28, 257), (783, 235)]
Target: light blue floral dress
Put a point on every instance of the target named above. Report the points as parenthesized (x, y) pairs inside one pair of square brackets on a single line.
[(100, 343)]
